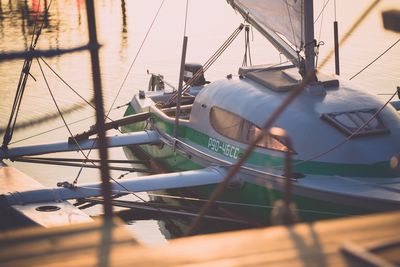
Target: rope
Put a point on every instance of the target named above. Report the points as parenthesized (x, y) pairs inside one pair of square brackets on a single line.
[(208, 63), (317, 51), (373, 61), (235, 168), (116, 97), (320, 32), (278, 167), (291, 23), (43, 119), (353, 27), (350, 136), (22, 83), (322, 20), (334, 8), (70, 87), (272, 66), (80, 149), (46, 118), (124, 80), (59, 111), (66, 184), (322, 11), (247, 52), (135, 58), (239, 204)]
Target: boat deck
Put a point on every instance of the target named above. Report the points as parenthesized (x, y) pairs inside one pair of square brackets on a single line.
[(315, 244)]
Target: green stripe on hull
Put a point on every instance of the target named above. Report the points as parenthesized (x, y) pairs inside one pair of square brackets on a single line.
[(381, 169), (309, 209)]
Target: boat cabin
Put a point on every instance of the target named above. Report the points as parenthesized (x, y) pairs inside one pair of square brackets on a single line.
[(233, 110)]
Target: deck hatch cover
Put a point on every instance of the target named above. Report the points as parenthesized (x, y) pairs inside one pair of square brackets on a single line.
[(349, 122)]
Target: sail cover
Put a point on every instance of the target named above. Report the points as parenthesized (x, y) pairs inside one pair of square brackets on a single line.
[(281, 16)]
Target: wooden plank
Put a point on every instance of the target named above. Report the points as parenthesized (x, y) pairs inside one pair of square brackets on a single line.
[(38, 246), (13, 180), (307, 244)]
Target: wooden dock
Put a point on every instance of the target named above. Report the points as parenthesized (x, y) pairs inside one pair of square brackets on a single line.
[(375, 238), (63, 213)]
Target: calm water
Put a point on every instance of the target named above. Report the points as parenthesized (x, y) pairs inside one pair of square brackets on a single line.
[(122, 26)]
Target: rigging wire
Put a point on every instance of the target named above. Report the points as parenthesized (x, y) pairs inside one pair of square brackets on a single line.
[(30, 123), (353, 27), (291, 22), (22, 82), (43, 119), (301, 162), (240, 204), (135, 58), (111, 107), (322, 20), (208, 63), (247, 52), (128, 192), (66, 125), (76, 142), (348, 138), (334, 8), (90, 103), (319, 43), (235, 168), (59, 111), (124, 80), (322, 11), (373, 61)]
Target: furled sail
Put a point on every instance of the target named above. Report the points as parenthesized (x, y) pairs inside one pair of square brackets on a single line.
[(281, 16), (276, 19)]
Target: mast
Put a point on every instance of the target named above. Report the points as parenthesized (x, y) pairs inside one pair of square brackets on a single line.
[(309, 41)]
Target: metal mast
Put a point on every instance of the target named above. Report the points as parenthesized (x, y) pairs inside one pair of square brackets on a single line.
[(309, 41)]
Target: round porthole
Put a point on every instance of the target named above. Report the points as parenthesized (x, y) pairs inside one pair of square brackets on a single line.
[(47, 208)]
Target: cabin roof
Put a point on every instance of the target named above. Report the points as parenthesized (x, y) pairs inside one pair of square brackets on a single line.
[(302, 119)]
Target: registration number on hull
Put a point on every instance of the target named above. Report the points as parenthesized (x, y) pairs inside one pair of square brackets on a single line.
[(223, 148)]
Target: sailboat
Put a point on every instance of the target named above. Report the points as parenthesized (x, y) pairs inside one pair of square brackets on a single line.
[(341, 140)]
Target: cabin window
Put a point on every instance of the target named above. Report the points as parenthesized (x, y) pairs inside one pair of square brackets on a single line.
[(349, 122), (266, 142), (226, 123), (234, 127)]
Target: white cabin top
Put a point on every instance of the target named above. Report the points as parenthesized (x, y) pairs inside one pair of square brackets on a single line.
[(315, 121)]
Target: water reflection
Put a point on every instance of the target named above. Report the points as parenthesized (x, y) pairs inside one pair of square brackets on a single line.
[(25, 14), (1, 21), (1, 10), (123, 9), (124, 30), (79, 4)]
